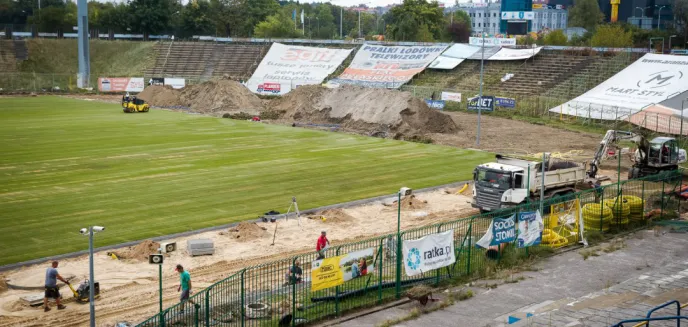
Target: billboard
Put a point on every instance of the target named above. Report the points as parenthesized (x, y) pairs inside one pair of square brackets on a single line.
[(435, 104), (445, 63), (515, 54), (175, 83), (120, 84), (484, 103), (288, 66), (518, 15), (451, 96), (649, 80), (492, 41), (387, 66), (430, 252), (331, 272), (453, 56)]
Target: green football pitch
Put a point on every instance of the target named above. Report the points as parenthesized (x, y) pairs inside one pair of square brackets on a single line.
[(66, 164)]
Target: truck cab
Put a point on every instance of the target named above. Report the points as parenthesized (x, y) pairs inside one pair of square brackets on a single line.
[(498, 186)]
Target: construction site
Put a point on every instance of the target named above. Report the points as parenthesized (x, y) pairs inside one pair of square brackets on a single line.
[(584, 160)]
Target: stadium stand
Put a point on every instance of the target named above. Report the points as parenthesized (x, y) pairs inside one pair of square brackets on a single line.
[(544, 71), (205, 60)]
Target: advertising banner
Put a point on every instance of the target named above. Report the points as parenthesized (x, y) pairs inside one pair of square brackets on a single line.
[(505, 102), (287, 66), (501, 230), (486, 103), (435, 104), (175, 83), (445, 63), (453, 56), (537, 6), (156, 81), (430, 252), (515, 54), (492, 41), (331, 272), (518, 15), (650, 79), (530, 227), (120, 84), (387, 66), (451, 96)]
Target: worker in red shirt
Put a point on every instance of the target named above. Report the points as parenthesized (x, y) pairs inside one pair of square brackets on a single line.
[(322, 244)]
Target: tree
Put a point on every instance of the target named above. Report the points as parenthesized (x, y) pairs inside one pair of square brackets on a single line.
[(151, 16), (405, 20), (196, 19), (680, 8), (556, 37), (613, 36), (253, 12), (424, 34), (275, 26), (586, 14), (459, 32)]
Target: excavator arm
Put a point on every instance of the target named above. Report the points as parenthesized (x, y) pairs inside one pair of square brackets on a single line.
[(610, 140)]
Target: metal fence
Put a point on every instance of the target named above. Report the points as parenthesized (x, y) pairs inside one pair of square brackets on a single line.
[(269, 295), (66, 83)]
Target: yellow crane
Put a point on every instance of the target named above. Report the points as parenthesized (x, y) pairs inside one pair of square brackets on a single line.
[(615, 10)]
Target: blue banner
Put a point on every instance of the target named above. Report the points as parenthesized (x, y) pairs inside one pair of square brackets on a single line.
[(435, 104), (530, 228), (503, 230), (505, 102)]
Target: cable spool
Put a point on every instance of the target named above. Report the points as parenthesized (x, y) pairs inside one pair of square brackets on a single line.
[(596, 216), (637, 206), (621, 210), (553, 239)]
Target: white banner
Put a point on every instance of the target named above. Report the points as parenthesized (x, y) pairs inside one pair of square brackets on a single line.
[(515, 54), (430, 252), (175, 83), (651, 79), (518, 15), (121, 84), (445, 63), (288, 66), (492, 41), (450, 96), (387, 66)]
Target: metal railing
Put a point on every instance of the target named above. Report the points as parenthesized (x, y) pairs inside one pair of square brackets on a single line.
[(648, 318), (271, 295)]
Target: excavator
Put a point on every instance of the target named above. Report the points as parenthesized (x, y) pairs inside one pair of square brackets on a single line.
[(651, 157)]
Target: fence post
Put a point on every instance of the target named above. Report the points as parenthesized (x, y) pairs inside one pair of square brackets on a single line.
[(602, 209), (293, 295), (470, 236), (162, 318), (661, 216), (243, 294), (398, 267), (336, 292), (437, 271), (196, 309), (379, 271), (207, 305)]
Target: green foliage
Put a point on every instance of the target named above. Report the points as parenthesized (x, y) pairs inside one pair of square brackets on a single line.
[(277, 25), (196, 19), (151, 16), (424, 34), (406, 21), (586, 14), (612, 35), (556, 37)]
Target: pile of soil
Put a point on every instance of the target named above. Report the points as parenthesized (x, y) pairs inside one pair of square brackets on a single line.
[(333, 216), (212, 97), (140, 251), (246, 231), (412, 203), (363, 109)]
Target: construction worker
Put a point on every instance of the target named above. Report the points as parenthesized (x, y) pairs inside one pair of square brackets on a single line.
[(322, 244), (184, 285), (51, 289)]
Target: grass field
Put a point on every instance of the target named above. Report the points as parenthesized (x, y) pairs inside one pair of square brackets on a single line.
[(67, 163)]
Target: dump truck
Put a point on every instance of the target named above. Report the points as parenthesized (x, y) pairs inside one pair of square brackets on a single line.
[(508, 182)]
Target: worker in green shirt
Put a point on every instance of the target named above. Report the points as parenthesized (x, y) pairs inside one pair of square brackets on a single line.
[(184, 285)]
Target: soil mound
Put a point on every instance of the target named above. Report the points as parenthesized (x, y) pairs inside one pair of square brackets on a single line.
[(412, 203), (363, 109), (140, 251), (212, 97), (334, 216), (248, 231)]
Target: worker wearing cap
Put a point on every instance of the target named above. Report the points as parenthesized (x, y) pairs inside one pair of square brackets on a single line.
[(184, 285), (322, 244)]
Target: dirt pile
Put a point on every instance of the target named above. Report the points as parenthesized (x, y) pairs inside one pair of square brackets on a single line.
[(139, 251), (412, 203), (363, 109), (248, 231), (333, 216), (212, 97)]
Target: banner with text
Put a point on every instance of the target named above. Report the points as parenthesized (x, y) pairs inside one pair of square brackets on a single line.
[(515, 54), (650, 79), (492, 41), (387, 66), (331, 272), (430, 252), (530, 227), (288, 66), (435, 104), (451, 96), (120, 84), (501, 230)]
